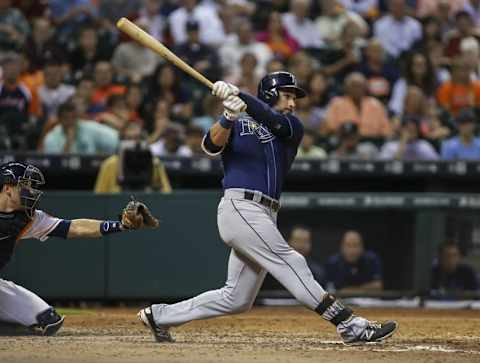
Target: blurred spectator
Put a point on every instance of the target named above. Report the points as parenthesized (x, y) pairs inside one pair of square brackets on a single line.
[(311, 116), (41, 45), (409, 146), (397, 31), (354, 269), (150, 16), (350, 147), (244, 42), (431, 34), (116, 114), (14, 28), (112, 10), (464, 28), (470, 51), (161, 120), (332, 20), (339, 62), (193, 140), (165, 84), (437, 7), (171, 143), (199, 55), (301, 241), (134, 99), (450, 274), (308, 149), (319, 95), (87, 53), (277, 38), (69, 15), (381, 74), (356, 106), (53, 92), (104, 86), (473, 8), (460, 92), (365, 8), (212, 108), (247, 80), (275, 65), (417, 72), (14, 95), (465, 146), (108, 175), (211, 27), (134, 61), (84, 92), (73, 135), (301, 65), (299, 26)]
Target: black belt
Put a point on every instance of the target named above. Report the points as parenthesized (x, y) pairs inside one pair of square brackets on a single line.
[(267, 202)]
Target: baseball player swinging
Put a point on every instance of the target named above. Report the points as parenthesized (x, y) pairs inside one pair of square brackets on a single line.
[(19, 219), (257, 150)]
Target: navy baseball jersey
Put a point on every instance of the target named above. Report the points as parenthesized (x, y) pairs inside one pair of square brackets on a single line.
[(261, 148)]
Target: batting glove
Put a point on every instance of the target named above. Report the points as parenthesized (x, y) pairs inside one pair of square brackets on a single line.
[(223, 90), (233, 106)]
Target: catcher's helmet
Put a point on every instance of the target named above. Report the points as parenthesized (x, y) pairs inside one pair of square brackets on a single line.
[(271, 83), (29, 178)]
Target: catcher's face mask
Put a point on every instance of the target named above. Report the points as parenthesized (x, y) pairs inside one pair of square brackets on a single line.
[(28, 184)]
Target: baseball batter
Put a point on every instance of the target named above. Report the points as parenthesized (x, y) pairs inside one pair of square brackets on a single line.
[(257, 149), (19, 219)]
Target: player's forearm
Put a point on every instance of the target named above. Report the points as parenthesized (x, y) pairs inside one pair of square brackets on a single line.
[(91, 228), (219, 135)]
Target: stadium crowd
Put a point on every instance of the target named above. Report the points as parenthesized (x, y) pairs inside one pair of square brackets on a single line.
[(385, 78)]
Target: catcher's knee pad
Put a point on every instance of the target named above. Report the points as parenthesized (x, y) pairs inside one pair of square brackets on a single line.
[(333, 310), (48, 322)]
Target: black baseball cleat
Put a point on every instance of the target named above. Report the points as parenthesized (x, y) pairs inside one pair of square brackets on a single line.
[(51, 329), (373, 333), (160, 333)]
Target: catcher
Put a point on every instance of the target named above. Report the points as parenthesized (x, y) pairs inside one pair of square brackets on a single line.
[(20, 219)]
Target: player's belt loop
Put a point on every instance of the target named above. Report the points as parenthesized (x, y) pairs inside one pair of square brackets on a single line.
[(258, 197)]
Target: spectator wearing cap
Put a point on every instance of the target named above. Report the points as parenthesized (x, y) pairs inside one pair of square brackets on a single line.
[(464, 28), (409, 146), (308, 149), (53, 92), (380, 73), (199, 55), (397, 31), (449, 274), (73, 135), (465, 146), (357, 106), (14, 28), (299, 26), (211, 30), (459, 92), (244, 42), (350, 147), (133, 61), (354, 269)]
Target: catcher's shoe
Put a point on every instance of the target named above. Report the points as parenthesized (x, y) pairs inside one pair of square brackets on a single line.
[(372, 333), (160, 333)]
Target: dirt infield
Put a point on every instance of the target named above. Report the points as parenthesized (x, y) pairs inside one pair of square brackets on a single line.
[(264, 335)]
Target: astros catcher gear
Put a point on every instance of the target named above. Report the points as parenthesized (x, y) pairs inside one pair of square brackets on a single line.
[(271, 83), (161, 334), (29, 178), (136, 215)]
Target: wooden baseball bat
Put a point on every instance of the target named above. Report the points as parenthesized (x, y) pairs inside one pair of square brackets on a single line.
[(148, 41)]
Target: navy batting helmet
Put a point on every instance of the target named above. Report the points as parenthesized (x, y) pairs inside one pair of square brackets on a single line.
[(29, 178), (271, 83)]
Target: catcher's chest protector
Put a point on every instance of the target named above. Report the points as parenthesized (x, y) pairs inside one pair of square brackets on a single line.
[(11, 225)]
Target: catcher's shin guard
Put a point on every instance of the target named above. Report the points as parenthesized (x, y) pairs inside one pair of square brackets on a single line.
[(48, 322)]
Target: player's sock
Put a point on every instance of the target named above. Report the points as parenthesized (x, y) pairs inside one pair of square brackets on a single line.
[(333, 310)]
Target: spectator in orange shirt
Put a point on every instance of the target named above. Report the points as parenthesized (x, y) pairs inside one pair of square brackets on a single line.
[(104, 86), (277, 38), (367, 112), (460, 92)]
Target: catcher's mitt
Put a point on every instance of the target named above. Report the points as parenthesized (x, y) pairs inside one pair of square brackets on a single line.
[(136, 215)]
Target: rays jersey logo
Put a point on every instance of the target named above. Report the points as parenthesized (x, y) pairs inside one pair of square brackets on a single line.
[(251, 127)]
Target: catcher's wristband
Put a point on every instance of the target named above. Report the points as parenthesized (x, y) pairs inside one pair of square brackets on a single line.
[(107, 227)]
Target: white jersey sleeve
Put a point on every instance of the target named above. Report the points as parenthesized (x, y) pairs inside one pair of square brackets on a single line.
[(40, 226)]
